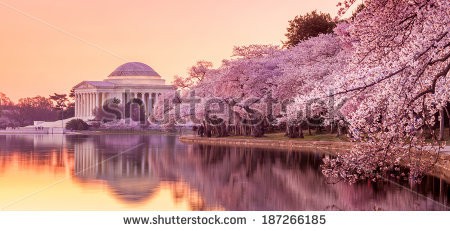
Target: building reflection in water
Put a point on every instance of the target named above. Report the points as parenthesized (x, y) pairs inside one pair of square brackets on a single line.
[(158, 172), (132, 167), (130, 175)]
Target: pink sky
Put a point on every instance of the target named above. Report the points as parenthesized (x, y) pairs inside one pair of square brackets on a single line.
[(49, 46)]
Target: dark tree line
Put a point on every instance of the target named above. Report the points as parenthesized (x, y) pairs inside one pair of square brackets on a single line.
[(37, 108), (303, 27)]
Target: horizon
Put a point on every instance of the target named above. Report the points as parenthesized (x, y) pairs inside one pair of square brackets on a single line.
[(64, 43)]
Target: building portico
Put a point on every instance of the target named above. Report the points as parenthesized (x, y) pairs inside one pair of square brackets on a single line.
[(129, 81)]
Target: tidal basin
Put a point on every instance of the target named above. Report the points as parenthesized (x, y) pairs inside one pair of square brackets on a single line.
[(158, 172)]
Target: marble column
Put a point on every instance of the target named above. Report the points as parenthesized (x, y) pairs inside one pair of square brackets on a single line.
[(96, 100), (146, 97), (86, 104), (99, 98), (82, 105), (153, 100), (79, 105), (76, 105), (93, 103), (91, 97), (150, 103), (89, 104)]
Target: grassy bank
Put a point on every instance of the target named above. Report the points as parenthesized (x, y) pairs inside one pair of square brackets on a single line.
[(321, 142), (312, 137)]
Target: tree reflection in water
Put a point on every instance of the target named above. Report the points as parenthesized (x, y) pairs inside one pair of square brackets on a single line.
[(211, 177), (261, 179)]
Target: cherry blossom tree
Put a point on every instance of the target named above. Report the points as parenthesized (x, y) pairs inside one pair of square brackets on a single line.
[(239, 88), (259, 81), (309, 71), (399, 71), (196, 74)]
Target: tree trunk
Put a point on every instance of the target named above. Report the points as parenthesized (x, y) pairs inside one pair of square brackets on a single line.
[(448, 115), (339, 129), (292, 131), (441, 124), (287, 130), (257, 131), (208, 130)]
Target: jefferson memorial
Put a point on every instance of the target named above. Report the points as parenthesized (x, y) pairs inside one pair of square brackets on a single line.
[(128, 81)]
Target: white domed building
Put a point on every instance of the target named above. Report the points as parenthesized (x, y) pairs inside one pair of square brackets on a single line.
[(128, 81)]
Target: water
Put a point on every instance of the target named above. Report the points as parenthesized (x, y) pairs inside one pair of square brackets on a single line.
[(155, 172)]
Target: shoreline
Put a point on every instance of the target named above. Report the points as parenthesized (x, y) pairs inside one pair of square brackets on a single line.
[(100, 132), (298, 145), (441, 169)]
